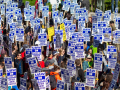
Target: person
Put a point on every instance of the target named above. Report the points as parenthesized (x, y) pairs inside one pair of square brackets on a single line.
[(41, 63), (85, 65), (28, 29), (101, 4), (36, 8), (112, 4), (61, 57), (50, 55), (73, 83), (55, 54), (29, 85), (13, 56), (90, 61), (49, 64), (85, 3), (37, 42), (64, 63), (19, 66), (112, 25), (57, 75), (90, 22), (79, 72), (95, 4)]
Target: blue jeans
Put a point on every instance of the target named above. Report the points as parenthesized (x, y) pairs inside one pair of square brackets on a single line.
[(112, 4)]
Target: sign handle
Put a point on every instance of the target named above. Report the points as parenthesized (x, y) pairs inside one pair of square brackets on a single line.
[(64, 13), (27, 23), (19, 45), (42, 48), (33, 41), (89, 88), (45, 23), (97, 76)]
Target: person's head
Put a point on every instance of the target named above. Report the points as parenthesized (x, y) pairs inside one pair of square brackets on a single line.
[(29, 84), (68, 16), (49, 63), (105, 85), (1, 65), (74, 21), (63, 65), (63, 52), (111, 23), (90, 50), (77, 62), (89, 58), (12, 89), (51, 23), (57, 68), (90, 19), (18, 55)]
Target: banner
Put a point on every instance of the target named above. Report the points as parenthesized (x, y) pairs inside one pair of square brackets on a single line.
[(51, 33), (11, 76), (8, 62), (62, 27), (36, 52), (90, 77), (40, 77)]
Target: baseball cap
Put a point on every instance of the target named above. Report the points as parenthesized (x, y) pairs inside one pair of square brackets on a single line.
[(49, 62), (89, 56)]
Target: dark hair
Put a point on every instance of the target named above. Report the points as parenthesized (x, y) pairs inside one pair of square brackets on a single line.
[(28, 83), (1, 64), (51, 22), (109, 77), (63, 65), (12, 89), (18, 53), (111, 22), (105, 85), (77, 62), (13, 49), (1, 59), (56, 68)]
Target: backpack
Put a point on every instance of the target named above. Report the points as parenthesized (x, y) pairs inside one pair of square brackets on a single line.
[(53, 81)]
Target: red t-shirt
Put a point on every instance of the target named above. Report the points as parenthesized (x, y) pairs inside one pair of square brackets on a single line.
[(42, 64), (23, 56)]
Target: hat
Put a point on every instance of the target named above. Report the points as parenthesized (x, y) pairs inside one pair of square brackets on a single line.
[(89, 56), (46, 64), (51, 61), (111, 22), (37, 43), (55, 52)]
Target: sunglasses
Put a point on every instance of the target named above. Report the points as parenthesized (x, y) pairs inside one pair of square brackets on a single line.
[(88, 58)]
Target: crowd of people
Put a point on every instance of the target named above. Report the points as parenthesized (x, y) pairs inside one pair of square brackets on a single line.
[(53, 61)]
